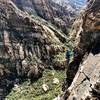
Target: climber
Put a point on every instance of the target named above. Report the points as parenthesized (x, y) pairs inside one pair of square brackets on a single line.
[(68, 55)]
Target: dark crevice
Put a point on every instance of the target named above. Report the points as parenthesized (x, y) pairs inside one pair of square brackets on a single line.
[(96, 48)]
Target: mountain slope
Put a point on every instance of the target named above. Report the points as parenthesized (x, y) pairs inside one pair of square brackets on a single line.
[(26, 46), (48, 10), (71, 5)]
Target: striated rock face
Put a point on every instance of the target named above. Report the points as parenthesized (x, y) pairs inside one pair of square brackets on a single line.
[(86, 84), (26, 46), (87, 41), (48, 10)]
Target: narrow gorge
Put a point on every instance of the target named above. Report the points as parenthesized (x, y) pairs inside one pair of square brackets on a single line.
[(34, 38)]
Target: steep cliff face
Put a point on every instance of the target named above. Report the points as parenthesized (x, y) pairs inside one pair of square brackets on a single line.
[(87, 41), (50, 11), (86, 84), (71, 5), (26, 46)]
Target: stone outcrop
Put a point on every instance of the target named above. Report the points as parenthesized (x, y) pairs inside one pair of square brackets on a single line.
[(86, 84), (87, 41), (26, 46)]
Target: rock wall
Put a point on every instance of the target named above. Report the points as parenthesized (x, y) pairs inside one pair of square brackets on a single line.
[(86, 84), (48, 10), (26, 46), (87, 41)]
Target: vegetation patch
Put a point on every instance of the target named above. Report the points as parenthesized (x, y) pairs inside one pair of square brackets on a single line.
[(35, 91)]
